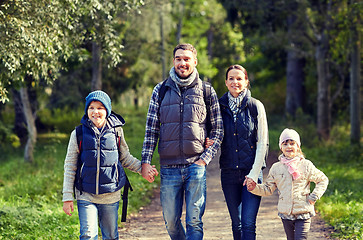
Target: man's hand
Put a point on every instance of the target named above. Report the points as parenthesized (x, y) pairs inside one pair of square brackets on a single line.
[(200, 162), (68, 207), (149, 172)]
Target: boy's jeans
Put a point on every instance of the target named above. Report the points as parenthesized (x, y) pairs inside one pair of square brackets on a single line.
[(175, 182), (89, 216)]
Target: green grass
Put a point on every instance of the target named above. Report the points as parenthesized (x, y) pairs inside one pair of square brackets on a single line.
[(31, 194)]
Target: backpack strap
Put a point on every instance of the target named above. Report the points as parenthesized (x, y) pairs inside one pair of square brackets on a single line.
[(252, 106), (208, 102), (127, 187), (79, 135)]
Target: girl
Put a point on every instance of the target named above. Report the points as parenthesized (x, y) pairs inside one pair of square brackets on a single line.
[(292, 176), (100, 177), (243, 151)]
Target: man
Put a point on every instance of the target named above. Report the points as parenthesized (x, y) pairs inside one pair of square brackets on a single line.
[(179, 122)]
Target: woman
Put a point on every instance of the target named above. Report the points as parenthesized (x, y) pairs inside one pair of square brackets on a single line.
[(242, 151)]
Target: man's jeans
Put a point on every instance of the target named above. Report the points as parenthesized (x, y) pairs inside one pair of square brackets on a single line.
[(242, 205), (89, 216), (175, 183)]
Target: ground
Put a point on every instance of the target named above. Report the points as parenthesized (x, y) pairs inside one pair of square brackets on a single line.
[(148, 224)]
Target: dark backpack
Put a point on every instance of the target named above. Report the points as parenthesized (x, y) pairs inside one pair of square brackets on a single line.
[(206, 97), (252, 106), (127, 187)]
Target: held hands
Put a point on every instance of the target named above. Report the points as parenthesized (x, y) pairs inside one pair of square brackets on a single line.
[(250, 184), (68, 207), (149, 172)]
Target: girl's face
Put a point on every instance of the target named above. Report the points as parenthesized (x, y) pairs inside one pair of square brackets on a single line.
[(97, 113), (290, 148), (236, 82)]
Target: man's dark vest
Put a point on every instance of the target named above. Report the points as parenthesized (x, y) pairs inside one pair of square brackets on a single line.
[(182, 115)]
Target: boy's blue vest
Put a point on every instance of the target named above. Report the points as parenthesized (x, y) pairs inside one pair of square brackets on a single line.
[(99, 170)]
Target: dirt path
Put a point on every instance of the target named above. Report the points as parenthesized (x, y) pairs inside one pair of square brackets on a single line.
[(148, 224)]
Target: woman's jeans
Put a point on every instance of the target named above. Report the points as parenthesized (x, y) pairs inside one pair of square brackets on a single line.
[(90, 214), (176, 182), (242, 205), (296, 229)]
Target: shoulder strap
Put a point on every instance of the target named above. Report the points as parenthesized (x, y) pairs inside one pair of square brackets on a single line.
[(79, 135), (208, 102), (127, 187), (252, 106), (162, 92)]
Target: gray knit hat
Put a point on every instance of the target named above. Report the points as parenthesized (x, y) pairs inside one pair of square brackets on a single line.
[(101, 97)]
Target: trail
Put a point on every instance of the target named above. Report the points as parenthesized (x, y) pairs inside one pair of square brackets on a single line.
[(148, 224)]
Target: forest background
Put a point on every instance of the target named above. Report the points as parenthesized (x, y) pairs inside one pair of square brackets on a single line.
[(303, 60)]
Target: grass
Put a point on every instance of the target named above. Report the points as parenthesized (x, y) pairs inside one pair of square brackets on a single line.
[(31, 194)]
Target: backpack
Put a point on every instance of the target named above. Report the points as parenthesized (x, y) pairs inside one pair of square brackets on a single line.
[(252, 106), (127, 187), (206, 96)]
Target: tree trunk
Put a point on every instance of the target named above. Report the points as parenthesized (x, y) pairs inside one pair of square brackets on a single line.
[(30, 122), (294, 70), (355, 69), (180, 23), (323, 100), (162, 42), (20, 128), (96, 67), (294, 82)]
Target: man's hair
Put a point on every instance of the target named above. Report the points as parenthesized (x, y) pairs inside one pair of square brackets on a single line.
[(185, 46)]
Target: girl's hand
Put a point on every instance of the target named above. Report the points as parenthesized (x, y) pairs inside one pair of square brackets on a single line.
[(250, 184), (68, 207), (149, 172), (208, 142)]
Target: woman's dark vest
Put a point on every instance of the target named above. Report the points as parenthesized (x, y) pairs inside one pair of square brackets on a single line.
[(182, 115), (238, 147), (100, 170)]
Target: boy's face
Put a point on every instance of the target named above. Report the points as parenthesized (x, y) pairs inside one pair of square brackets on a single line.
[(184, 63), (290, 148), (97, 113)]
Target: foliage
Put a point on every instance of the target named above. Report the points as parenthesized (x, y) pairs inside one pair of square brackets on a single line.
[(33, 40), (31, 195)]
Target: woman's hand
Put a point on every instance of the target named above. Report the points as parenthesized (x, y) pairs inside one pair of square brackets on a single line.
[(68, 207), (208, 142), (250, 184)]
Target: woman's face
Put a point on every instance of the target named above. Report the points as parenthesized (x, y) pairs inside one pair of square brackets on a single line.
[(97, 113), (236, 82)]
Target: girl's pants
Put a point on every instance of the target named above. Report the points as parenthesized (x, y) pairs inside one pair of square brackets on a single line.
[(90, 214), (296, 229), (242, 205)]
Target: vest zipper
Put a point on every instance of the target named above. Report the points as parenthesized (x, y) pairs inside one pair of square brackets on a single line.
[(181, 122), (98, 164)]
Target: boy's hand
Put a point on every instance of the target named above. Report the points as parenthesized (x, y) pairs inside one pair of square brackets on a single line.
[(68, 207), (149, 172)]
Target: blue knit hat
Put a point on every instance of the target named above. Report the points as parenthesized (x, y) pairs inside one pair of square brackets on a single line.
[(101, 97)]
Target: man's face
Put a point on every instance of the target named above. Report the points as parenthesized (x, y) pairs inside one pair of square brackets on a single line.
[(184, 63)]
